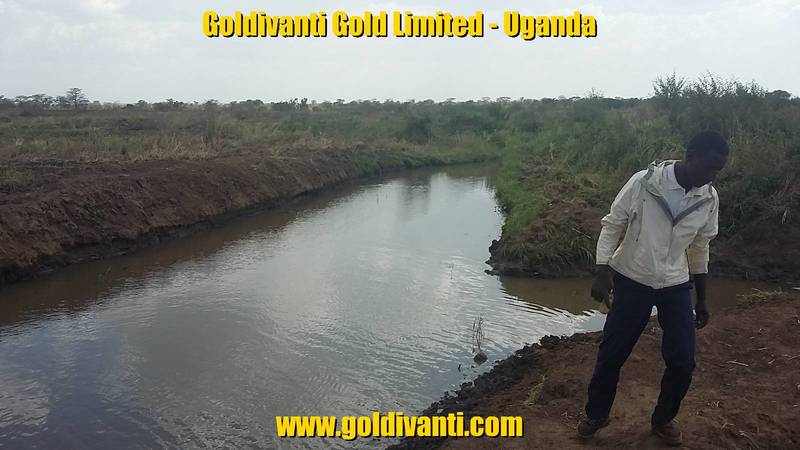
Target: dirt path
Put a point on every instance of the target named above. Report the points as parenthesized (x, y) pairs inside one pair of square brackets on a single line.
[(745, 394)]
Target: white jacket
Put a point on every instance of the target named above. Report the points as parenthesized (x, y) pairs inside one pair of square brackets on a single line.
[(658, 250)]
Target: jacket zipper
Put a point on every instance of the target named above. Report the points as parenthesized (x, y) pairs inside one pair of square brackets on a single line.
[(690, 210), (674, 219)]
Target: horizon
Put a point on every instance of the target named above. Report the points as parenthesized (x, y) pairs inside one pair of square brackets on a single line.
[(589, 94)]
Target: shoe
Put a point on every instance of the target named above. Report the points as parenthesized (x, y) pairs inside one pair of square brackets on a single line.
[(669, 433), (588, 427)]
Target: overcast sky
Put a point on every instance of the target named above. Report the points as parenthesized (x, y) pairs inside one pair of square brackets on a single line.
[(125, 50)]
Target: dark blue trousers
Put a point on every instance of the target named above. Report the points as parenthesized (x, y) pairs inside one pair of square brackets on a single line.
[(629, 314)]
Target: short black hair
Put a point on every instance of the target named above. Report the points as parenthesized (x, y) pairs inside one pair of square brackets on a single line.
[(706, 143)]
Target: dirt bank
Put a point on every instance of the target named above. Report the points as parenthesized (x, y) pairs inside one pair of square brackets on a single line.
[(745, 394), (58, 213)]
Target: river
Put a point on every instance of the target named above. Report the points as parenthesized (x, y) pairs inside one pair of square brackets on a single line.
[(356, 300)]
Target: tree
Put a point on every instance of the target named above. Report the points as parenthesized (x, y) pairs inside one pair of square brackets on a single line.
[(211, 105), (169, 105), (6, 103), (76, 98), (780, 95), (669, 87), (62, 102), (34, 104)]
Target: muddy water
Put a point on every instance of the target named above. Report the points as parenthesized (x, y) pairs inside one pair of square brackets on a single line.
[(355, 301)]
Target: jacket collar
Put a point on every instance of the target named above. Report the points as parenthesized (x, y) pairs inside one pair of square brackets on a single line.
[(655, 175), (652, 183)]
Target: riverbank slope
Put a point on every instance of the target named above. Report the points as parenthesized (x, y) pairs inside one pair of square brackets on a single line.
[(745, 393), (55, 213)]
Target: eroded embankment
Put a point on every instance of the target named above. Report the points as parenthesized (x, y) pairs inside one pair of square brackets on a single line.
[(69, 212), (745, 392)]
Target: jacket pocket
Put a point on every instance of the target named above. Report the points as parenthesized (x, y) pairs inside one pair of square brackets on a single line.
[(635, 225)]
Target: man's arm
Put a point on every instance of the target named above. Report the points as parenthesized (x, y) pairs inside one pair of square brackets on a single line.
[(698, 255), (613, 224)]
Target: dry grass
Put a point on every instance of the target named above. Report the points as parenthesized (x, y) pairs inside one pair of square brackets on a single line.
[(15, 178)]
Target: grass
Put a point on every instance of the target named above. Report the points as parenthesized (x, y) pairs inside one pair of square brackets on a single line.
[(127, 135), (592, 149)]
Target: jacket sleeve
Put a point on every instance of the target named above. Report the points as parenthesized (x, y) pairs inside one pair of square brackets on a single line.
[(697, 253), (616, 220)]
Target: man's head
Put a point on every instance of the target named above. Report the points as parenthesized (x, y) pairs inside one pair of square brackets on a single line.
[(706, 154)]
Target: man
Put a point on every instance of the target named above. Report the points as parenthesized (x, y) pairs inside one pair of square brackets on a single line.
[(668, 213)]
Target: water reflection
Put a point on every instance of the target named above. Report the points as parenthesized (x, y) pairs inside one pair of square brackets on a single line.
[(74, 288), (572, 294)]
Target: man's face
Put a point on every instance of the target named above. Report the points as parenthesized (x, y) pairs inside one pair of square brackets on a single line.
[(702, 168)]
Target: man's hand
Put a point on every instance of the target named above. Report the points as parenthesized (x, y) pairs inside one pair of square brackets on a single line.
[(601, 286), (701, 314)]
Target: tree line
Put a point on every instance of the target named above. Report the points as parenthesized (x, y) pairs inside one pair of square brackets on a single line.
[(73, 99)]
